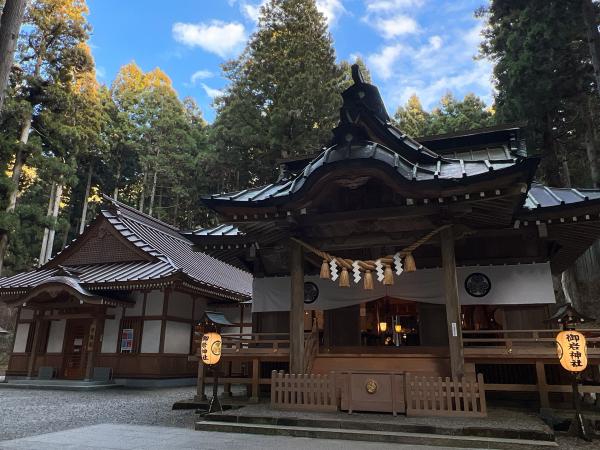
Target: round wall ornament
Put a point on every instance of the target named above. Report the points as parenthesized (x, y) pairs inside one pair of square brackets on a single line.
[(371, 386), (478, 284), (311, 292)]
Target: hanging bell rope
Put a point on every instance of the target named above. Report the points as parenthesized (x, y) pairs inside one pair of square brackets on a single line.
[(331, 264)]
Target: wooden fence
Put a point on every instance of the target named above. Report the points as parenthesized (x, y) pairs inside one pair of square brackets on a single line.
[(303, 392), (437, 396)]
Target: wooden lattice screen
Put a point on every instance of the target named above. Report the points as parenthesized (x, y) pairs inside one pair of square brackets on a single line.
[(437, 396), (303, 392)]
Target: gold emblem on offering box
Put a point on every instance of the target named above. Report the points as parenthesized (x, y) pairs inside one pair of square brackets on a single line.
[(371, 386)]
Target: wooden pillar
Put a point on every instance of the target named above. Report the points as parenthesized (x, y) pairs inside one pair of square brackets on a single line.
[(296, 308), (92, 346), (228, 372), (255, 380), (453, 321), (37, 325), (542, 385), (201, 384)]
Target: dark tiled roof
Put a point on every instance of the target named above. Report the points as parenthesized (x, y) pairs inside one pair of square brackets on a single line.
[(443, 169), (219, 230), (172, 253), (94, 274), (540, 196)]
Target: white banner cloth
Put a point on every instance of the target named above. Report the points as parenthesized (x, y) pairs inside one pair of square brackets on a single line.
[(521, 284)]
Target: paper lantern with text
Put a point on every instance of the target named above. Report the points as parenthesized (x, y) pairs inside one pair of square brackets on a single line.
[(210, 348), (572, 350)]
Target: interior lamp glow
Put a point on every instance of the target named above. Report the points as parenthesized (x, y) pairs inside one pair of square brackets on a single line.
[(383, 327)]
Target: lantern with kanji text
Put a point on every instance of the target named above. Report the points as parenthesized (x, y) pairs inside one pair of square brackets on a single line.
[(210, 348), (572, 350)]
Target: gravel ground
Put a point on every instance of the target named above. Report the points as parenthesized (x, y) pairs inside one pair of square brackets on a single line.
[(31, 412)]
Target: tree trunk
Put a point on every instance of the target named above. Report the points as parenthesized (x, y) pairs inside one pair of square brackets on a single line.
[(117, 178), (590, 140), (66, 236), (143, 193), (10, 24), (55, 210), (154, 180), (152, 192), (593, 37), (45, 238), (176, 210), (86, 197), (564, 163)]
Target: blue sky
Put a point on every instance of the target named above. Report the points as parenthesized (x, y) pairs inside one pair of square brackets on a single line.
[(425, 47)]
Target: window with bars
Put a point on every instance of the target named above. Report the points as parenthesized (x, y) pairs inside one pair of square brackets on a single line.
[(130, 335)]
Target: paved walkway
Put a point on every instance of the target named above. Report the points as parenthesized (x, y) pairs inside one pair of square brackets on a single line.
[(125, 437)]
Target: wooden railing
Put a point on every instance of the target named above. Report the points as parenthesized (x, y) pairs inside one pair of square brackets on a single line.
[(437, 396), (521, 343), (234, 344), (307, 392)]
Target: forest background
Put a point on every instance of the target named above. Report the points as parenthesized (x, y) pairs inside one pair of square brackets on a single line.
[(66, 139)]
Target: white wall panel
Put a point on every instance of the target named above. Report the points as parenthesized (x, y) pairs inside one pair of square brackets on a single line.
[(154, 303), (177, 337), (21, 337), (151, 336), (180, 305), (135, 310), (56, 336)]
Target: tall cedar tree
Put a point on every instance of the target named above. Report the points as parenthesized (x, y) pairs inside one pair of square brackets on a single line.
[(544, 76), (50, 55), (284, 95)]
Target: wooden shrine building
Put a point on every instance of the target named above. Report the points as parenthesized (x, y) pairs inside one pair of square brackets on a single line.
[(120, 302), (390, 255)]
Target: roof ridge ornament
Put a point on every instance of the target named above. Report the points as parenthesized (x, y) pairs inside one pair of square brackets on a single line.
[(357, 75)]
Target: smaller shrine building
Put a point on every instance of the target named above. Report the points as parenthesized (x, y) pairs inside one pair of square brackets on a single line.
[(120, 302)]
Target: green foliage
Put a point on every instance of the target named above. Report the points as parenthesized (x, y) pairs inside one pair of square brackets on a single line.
[(283, 99), (450, 116), (543, 76)]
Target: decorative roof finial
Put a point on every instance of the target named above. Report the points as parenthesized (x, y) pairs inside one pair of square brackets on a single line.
[(357, 75)]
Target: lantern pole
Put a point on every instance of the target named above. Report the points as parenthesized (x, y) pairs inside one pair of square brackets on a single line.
[(568, 325), (214, 401)]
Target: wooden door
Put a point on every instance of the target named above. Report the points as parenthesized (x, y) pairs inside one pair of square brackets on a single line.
[(76, 336)]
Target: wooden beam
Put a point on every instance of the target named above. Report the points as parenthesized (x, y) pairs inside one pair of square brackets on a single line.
[(393, 213), (457, 361), (296, 308), (92, 347), (37, 324), (77, 316)]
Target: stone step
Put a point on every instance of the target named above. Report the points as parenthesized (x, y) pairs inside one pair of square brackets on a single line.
[(368, 425), (377, 436), (66, 385)]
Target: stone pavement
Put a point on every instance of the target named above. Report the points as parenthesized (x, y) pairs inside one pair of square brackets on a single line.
[(125, 437)]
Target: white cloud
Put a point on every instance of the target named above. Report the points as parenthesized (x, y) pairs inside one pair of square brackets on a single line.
[(435, 42), (211, 92), (252, 10), (396, 26), (382, 63), (100, 72), (217, 37), (331, 9), (391, 5), (201, 75)]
